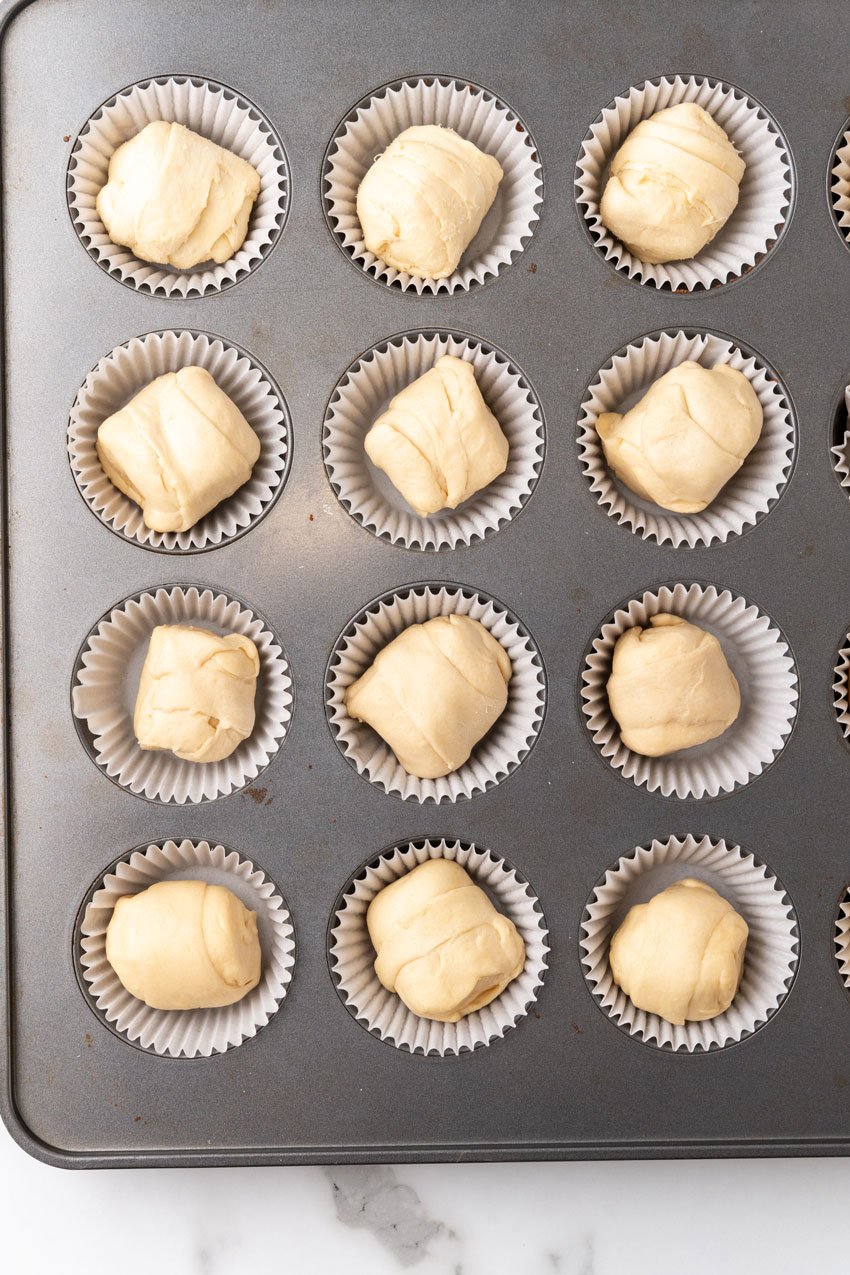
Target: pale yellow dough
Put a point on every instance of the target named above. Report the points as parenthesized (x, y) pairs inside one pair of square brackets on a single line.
[(177, 199), (441, 945), (672, 185), (681, 954), (438, 441), (178, 448), (670, 687), (433, 692), (688, 435), (422, 202), (196, 692), (184, 945)]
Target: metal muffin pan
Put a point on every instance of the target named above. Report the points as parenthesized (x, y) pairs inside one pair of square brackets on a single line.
[(566, 1081)]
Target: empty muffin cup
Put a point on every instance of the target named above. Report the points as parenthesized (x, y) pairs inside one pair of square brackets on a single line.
[(475, 114), (213, 111), (748, 496), (106, 680), (772, 952), (186, 1033), (119, 376), (766, 192), (759, 656), (839, 183), (364, 392), (383, 1013), (508, 741)]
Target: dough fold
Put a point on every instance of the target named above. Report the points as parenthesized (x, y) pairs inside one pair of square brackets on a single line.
[(438, 441), (178, 448), (681, 954), (422, 202), (688, 435), (196, 692), (440, 943), (433, 693), (177, 199), (672, 185), (670, 687), (184, 945)]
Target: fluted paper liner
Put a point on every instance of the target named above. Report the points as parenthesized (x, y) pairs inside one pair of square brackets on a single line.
[(508, 741), (473, 113), (362, 395), (766, 192), (841, 452), (839, 183), (842, 939), (749, 494), (106, 681), (761, 660), (127, 369), (189, 1033), (840, 692), (772, 952), (215, 112), (384, 1013)]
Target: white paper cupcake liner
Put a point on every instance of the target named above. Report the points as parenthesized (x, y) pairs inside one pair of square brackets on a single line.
[(474, 113), (509, 740), (841, 451), (215, 112), (352, 956), (840, 691), (189, 1033), (106, 682), (842, 939), (127, 369), (839, 183), (750, 493), (760, 658), (365, 391), (772, 953), (766, 194)]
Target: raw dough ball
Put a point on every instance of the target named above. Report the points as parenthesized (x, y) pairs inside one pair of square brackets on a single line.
[(196, 693), (438, 441), (441, 945), (178, 448), (177, 199), (433, 692), (184, 945), (670, 687), (423, 200), (691, 431), (672, 185), (680, 955)]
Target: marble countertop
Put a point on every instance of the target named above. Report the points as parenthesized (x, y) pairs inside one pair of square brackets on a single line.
[(681, 1218)]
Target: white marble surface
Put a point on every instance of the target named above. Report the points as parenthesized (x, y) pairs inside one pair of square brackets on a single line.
[(670, 1218)]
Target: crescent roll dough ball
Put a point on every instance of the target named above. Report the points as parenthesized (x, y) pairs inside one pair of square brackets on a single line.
[(184, 945), (433, 692), (438, 441), (670, 687), (680, 955), (176, 198), (196, 693), (178, 448), (441, 945), (423, 200), (691, 431), (672, 185)]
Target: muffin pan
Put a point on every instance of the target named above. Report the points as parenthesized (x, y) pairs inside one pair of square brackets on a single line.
[(577, 1075)]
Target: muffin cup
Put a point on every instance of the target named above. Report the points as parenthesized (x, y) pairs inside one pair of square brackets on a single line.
[(365, 391), (352, 957), (126, 370), (749, 494), (841, 688), (841, 451), (839, 183), (766, 194), (215, 112), (772, 953), (475, 114), (189, 1033), (105, 684), (508, 741), (761, 660), (842, 939)]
